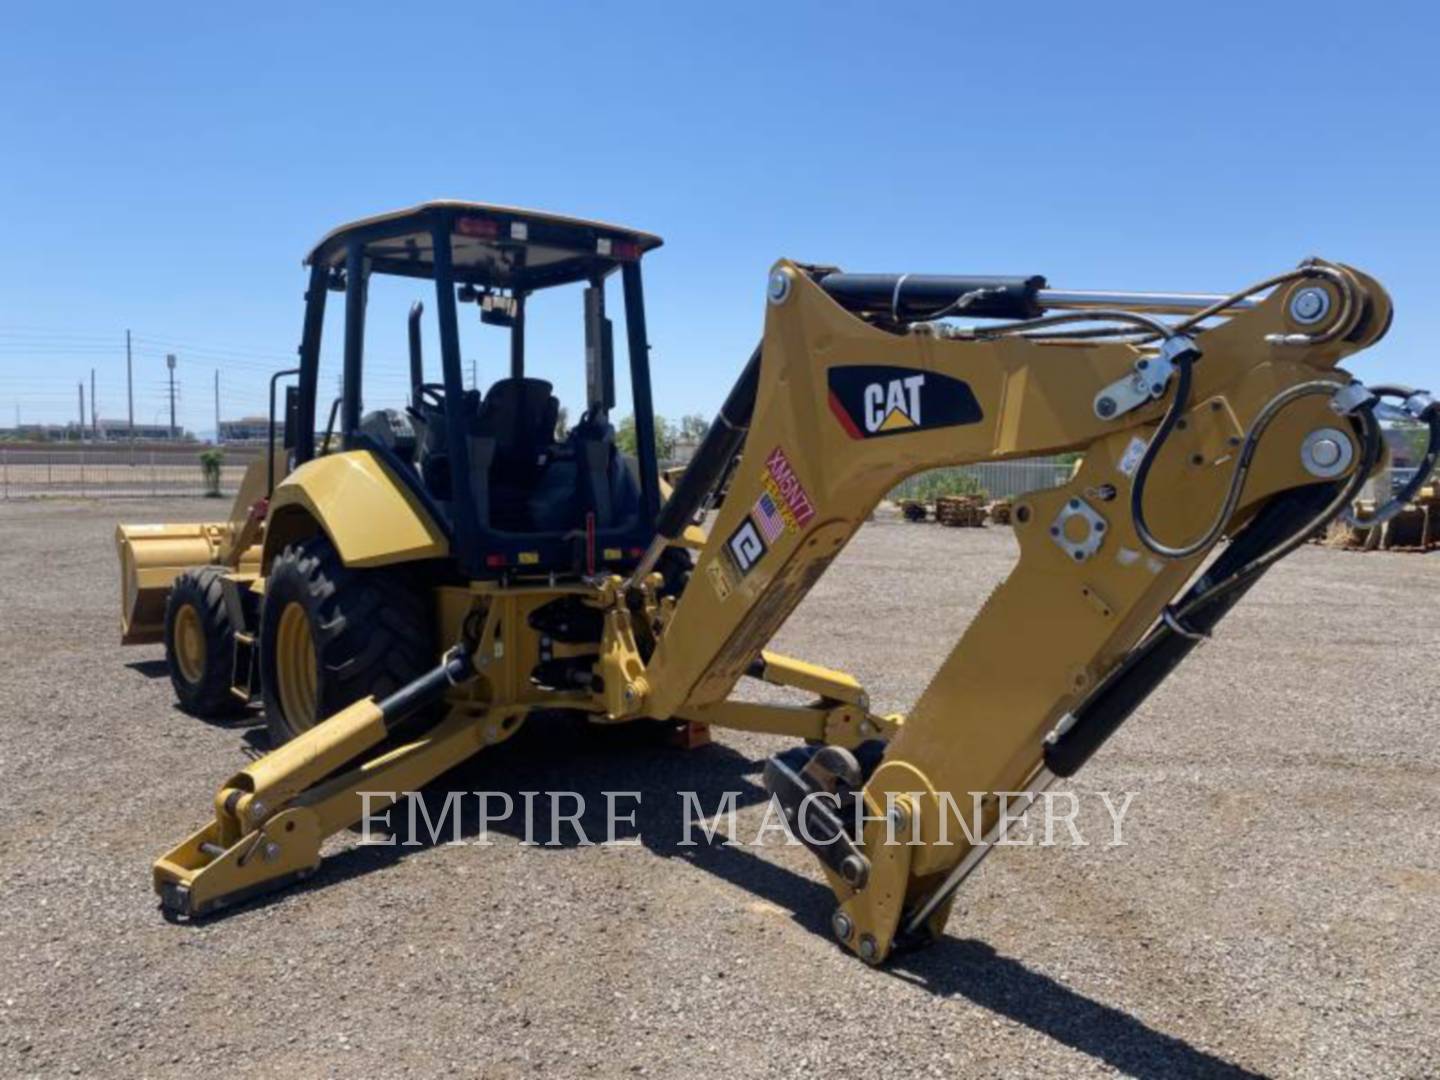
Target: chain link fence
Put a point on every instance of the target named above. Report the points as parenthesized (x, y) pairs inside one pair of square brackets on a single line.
[(120, 471), (993, 479), (105, 472)]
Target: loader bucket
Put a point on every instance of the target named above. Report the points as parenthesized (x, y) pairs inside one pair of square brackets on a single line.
[(151, 558)]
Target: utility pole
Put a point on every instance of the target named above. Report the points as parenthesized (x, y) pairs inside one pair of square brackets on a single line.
[(81, 431), (474, 383), (170, 363), (130, 394), (94, 410), (217, 406)]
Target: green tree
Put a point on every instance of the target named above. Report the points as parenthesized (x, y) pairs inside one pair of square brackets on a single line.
[(928, 486), (665, 436), (210, 463)]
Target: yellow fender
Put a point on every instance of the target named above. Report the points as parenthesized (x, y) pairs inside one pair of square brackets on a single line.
[(371, 517)]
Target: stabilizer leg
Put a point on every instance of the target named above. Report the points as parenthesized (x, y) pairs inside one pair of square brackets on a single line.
[(271, 818)]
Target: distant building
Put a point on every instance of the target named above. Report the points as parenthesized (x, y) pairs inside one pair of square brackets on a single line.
[(250, 430), (34, 433), (682, 450), (119, 431), (105, 431)]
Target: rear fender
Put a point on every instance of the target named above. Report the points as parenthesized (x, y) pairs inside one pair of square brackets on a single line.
[(372, 518)]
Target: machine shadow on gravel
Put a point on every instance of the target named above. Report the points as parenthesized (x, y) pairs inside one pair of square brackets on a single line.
[(560, 755), (975, 971), (151, 669), (253, 719)]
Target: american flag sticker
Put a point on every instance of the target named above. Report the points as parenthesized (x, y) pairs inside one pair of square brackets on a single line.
[(768, 517)]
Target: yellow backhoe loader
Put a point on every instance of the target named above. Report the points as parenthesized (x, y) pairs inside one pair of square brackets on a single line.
[(407, 588)]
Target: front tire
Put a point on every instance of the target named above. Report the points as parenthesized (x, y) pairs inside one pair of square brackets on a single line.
[(200, 644), (331, 634)]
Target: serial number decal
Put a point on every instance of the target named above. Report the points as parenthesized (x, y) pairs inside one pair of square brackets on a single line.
[(718, 581)]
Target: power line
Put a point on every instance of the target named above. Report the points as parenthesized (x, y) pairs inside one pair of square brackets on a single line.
[(170, 363), (31, 385)]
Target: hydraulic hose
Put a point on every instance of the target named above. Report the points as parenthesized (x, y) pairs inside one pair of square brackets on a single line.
[(1237, 479), (1421, 408), (1265, 540), (1208, 589)]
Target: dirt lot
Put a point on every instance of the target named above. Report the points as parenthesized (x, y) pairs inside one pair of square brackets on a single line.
[(1276, 910)]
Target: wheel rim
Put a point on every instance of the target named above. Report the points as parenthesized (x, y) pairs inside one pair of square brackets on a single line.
[(189, 644), (295, 668)]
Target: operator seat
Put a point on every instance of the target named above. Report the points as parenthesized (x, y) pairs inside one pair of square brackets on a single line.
[(583, 476), (433, 451), (510, 434)]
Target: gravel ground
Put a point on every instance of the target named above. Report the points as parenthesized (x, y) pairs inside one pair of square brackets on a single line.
[(1276, 909)]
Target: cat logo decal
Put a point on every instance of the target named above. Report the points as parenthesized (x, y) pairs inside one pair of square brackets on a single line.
[(872, 400)]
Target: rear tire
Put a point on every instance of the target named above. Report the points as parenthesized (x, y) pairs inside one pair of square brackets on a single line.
[(200, 644), (330, 635)]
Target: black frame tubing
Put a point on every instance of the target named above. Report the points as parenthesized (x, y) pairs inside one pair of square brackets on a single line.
[(270, 429), (462, 497), (354, 341), (310, 361), (640, 390)]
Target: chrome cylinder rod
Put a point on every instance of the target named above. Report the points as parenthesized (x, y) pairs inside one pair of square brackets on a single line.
[(918, 297), (1153, 303)]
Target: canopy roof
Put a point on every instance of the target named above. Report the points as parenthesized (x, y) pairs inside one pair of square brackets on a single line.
[(498, 246)]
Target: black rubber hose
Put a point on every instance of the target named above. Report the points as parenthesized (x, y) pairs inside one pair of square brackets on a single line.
[(1212, 586), (1431, 418), (1269, 537), (1178, 404), (1149, 663)]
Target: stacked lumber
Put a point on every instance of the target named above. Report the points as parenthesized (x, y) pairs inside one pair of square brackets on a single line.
[(960, 511)]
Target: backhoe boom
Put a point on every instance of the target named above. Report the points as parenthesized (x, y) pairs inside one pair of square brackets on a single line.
[(844, 408)]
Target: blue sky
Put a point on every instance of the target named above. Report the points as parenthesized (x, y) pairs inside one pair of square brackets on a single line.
[(165, 168)]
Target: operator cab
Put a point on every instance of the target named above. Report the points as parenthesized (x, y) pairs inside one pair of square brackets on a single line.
[(515, 494)]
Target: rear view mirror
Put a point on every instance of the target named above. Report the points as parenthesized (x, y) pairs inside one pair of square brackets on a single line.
[(599, 352), (497, 310)]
